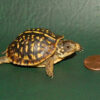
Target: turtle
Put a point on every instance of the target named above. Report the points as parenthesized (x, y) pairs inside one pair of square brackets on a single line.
[(39, 47)]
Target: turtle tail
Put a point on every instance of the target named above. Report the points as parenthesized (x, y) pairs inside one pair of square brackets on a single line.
[(4, 52), (4, 59)]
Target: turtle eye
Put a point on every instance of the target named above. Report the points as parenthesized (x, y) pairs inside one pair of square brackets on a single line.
[(68, 46)]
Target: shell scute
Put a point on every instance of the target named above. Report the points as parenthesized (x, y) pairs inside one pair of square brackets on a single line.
[(32, 47)]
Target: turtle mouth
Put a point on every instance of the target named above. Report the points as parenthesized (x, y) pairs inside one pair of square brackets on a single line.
[(78, 47)]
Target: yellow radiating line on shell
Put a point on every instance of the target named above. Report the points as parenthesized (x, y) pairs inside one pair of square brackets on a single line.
[(22, 42), (20, 56), (39, 55), (21, 49), (28, 32), (49, 36), (16, 54), (13, 45), (18, 45), (48, 42), (38, 29), (24, 37), (26, 48), (33, 57), (26, 58), (32, 36), (20, 34), (38, 48), (32, 47), (42, 38), (47, 31), (37, 32), (20, 39), (38, 44), (38, 37), (26, 42)]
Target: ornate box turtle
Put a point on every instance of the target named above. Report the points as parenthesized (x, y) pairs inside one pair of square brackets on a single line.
[(39, 47)]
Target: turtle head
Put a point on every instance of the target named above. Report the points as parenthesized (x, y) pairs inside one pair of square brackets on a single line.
[(67, 47)]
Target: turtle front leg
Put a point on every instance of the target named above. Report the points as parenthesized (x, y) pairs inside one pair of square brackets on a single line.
[(4, 59), (49, 65)]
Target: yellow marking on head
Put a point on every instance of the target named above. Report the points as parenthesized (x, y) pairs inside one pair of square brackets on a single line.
[(33, 57), (17, 45), (38, 37), (38, 32), (39, 55), (28, 32), (26, 58), (49, 36), (32, 47), (26, 48), (21, 49)]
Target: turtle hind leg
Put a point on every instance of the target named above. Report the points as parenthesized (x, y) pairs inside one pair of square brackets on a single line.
[(4, 59)]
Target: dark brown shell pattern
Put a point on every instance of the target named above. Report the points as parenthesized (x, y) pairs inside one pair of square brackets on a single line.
[(32, 47)]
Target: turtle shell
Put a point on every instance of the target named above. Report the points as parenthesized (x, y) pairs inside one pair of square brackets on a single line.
[(32, 47)]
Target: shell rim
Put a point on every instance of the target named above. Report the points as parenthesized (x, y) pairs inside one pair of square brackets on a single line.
[(39, 62)]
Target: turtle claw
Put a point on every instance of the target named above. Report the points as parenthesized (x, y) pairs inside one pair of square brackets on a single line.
[(50, 74)]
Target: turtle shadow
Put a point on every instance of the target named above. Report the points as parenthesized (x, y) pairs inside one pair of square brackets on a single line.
[(20, 66), (68, 57)]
